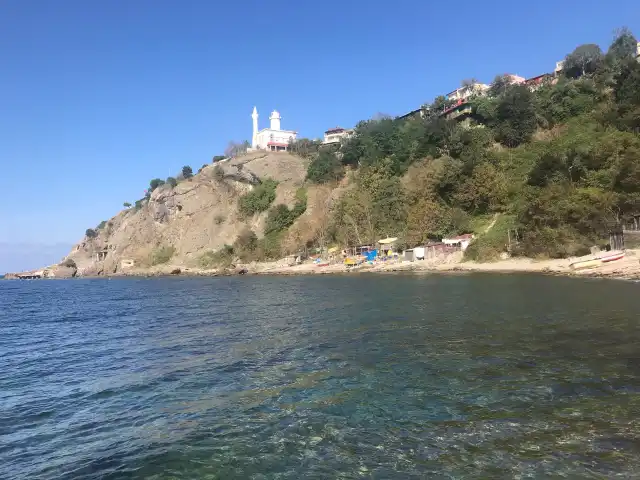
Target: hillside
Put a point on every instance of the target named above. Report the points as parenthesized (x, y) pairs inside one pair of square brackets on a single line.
[(547, 167), (178, 225)]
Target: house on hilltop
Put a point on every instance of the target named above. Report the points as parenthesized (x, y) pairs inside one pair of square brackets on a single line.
[(335, 135)]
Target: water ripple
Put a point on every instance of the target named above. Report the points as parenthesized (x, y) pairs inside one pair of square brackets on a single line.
[(390, 377)]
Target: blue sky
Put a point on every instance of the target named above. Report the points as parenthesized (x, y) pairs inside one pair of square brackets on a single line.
[(97, 98)]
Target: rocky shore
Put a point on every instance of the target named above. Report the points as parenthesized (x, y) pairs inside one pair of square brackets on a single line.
[(627, 268)]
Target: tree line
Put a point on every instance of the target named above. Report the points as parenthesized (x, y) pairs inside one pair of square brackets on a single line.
[(559, 163)]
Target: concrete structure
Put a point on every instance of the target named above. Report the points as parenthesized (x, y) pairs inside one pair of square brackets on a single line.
[(461, 240), (126, 263), (273, 138), (514, 79), (418, 112), (468, 91), (336, 135), (535, 83), (559, 67)]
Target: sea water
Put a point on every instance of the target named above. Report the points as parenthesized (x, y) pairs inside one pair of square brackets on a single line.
[(356, 376)]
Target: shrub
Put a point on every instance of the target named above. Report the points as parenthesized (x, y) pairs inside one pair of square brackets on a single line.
[(91, 233), (138, 204), (217, 158), (279, 219), (269, 247), (126, 205), (258, 199), (246, 244), (172, 181), (155, 183), (488, 246), (69, 263), (101, 225), (218, 172), (162, 255), (187, 172), (218, 219), (325, 168), (219, 258)]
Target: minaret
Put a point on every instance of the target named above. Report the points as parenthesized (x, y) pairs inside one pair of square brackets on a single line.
[(254, 138), (275, 120)]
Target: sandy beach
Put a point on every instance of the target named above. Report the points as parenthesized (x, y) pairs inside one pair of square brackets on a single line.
[(626, 268)]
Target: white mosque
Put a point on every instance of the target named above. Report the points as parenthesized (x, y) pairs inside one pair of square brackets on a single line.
[(272, 138)]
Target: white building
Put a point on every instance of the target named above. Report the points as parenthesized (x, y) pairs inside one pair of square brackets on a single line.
[(514, 79), (461, 241), (467, 91), (335, 135), (272, 138)]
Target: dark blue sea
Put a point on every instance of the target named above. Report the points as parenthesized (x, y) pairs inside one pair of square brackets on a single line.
[(334, 377)]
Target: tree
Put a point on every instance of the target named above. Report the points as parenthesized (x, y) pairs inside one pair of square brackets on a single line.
[(90, 233), (305, 147), (515, 116), (584, 60), (217, 158), (187, 172), (325, 168), (236, 149), (623, 46), (172, 181), (126, 205), (258, 199), (499, 85), (155, 183), (279, 219)]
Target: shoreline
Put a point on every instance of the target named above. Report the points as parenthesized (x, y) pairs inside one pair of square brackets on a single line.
[(627, 268)]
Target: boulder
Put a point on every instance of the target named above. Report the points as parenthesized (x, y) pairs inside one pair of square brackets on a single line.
[(60, 271)]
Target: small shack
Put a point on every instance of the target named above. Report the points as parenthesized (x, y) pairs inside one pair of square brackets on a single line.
[(388, 245), (461, 241)]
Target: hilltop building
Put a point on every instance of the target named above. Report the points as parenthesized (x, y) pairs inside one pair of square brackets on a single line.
[(465, 92), (335, 135), (273, 138)]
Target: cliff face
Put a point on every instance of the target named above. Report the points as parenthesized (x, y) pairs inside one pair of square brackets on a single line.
[(198, 215)]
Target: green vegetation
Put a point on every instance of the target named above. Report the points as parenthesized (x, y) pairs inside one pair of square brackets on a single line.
[(138, 204), (69, 263), (280, 217), (155, 183), (325, 167), (218, 172), (161, 255), (217, 158), (187, 172), (101, 225), (126, 205), (559, 164), (259, 199), (220, 258), (172, 181), (90, 233)]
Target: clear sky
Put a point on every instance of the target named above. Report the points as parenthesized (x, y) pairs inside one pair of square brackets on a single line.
[(97, 98)]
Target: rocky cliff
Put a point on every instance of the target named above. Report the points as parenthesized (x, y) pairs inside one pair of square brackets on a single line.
[(199, 215)]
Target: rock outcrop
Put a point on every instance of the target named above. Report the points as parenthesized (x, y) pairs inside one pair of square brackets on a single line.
[(177, 225)]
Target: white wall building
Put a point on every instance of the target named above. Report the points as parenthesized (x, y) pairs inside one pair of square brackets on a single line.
[(467, 91), (515, 79), (272, 138), (335, 135)]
